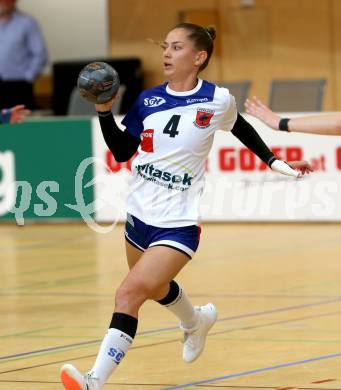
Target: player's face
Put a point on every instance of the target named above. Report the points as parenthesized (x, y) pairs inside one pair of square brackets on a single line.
[(180, 57), (7, 6)]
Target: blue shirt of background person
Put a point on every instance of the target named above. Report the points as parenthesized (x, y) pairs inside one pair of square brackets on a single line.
[(23, 55), (22, 49)]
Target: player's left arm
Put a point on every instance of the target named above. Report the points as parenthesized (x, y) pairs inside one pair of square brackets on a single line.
[(251, 139)]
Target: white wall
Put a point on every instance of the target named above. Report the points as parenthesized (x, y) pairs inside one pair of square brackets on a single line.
[(73, 29)]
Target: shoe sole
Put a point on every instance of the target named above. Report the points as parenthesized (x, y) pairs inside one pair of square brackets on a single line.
[(68, 382)]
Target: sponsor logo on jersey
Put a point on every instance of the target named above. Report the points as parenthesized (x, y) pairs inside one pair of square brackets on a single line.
[(147, 138), (203, 118), (197, 100), (154, 101), (164, 178)]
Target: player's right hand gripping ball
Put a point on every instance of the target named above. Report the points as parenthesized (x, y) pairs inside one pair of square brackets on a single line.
[(98, 82)]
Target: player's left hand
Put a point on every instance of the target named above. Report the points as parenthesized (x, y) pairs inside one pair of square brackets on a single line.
[(19, 113), (302, 166)]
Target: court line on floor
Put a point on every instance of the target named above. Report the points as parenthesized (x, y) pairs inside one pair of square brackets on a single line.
[(85, 357), (283, 309), (154, 331), (109, 384), (164, 342), (110, 296), (256, 371), (259, 387), (41, 245), (248, 327), (72, 346), (29, 332), (266, 296)]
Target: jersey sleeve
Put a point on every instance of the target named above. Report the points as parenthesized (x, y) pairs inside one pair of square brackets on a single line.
[(230, 113), (133, 121)]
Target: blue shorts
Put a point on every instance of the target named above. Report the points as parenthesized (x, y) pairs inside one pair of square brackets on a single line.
[(183, 239)]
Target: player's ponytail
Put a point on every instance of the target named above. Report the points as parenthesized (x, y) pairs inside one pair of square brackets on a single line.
[(211, 32)]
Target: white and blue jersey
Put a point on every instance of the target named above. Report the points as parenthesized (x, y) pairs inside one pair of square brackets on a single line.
[(176, 131)]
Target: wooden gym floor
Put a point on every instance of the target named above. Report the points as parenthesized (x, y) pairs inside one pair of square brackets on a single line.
[(277, 288)]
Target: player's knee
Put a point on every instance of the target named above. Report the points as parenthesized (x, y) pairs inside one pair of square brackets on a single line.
[(131, 295)]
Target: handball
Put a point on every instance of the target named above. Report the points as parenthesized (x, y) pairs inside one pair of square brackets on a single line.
[(98, 82)]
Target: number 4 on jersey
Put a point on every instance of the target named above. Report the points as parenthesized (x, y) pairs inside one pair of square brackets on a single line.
[(172, 125)]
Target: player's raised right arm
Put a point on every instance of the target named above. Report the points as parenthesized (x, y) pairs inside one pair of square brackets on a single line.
[(122, 144)]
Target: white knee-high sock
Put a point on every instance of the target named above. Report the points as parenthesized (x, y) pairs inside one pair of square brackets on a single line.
[(114, 347), (179, 304)]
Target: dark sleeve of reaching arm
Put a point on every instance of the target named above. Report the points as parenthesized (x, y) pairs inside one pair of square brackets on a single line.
[(122, 144), (250, 138), (5, 115)]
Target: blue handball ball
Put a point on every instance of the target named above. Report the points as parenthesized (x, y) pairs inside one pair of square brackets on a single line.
[(98, 82)]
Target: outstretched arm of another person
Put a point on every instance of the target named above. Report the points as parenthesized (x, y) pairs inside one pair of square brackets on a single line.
[(15, 114), (19, 113), (329, 124), (251, 139), (122, 144)]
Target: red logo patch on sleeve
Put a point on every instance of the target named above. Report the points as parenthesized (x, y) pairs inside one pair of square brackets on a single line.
[(147, 138)]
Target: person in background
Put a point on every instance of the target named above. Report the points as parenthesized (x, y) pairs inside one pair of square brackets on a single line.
[(23, 55), (329, 124), (12, 115)]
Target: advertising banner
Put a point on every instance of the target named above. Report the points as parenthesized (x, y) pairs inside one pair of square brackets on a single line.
[(39, 161), (62, 169), (239, 187)]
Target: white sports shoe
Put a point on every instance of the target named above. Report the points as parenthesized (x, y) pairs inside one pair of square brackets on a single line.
[(194, 338), (72, 379)]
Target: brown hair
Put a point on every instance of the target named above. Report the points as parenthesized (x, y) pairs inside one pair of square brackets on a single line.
[(201, 37)]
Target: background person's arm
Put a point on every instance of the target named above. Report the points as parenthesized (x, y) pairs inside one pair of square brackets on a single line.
[(15, 114), (329, 124)]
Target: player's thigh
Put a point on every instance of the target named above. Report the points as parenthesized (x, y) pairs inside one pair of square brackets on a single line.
[(133, 255), (156, 268)]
